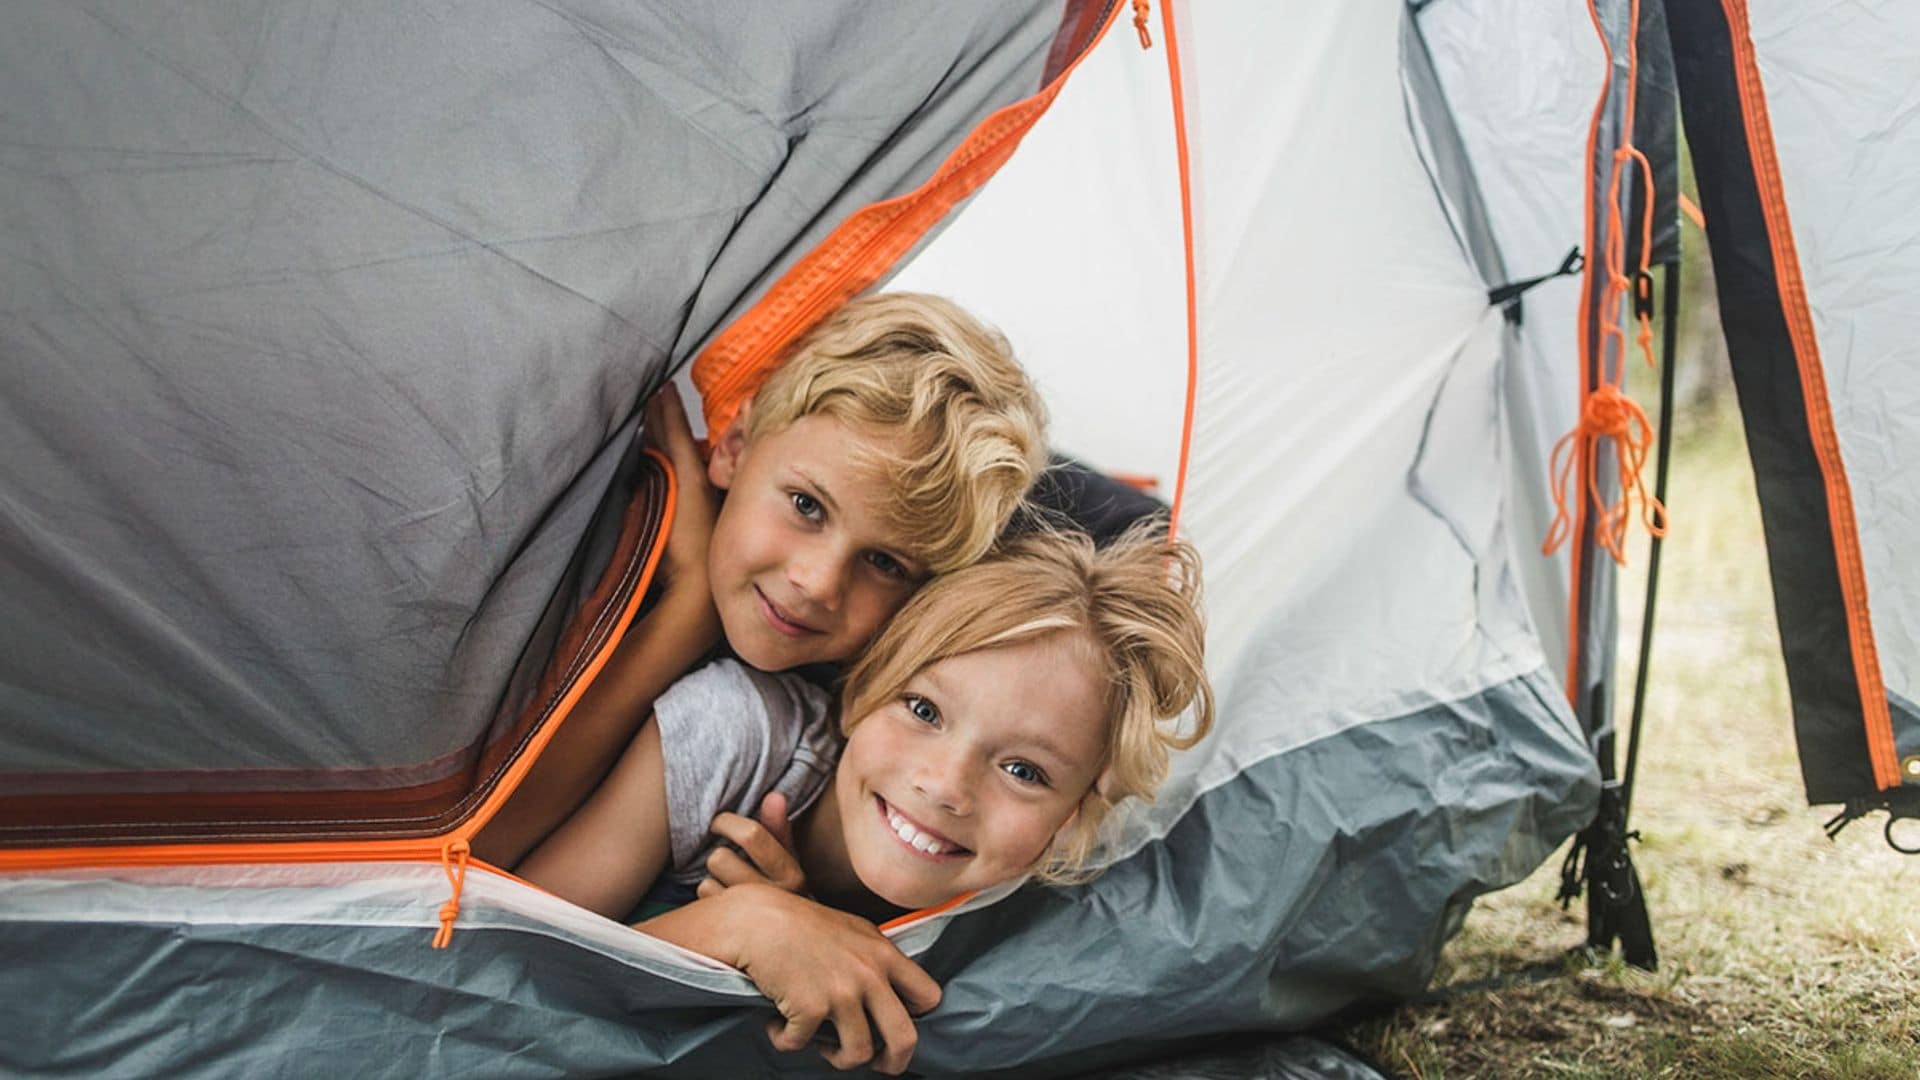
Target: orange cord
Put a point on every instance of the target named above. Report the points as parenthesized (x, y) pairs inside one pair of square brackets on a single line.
[(1692, 210), (1606, 412), (1140, 9), (453, 859)]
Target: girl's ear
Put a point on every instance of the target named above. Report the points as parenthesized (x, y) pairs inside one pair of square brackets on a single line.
[(724, 460)]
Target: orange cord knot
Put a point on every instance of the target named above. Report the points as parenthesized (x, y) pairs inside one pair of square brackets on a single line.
[(1140, 9), (1610, 412), (453, 859), (1606, 414)]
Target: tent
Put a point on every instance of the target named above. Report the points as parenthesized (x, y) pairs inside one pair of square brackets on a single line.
[(325, 337)]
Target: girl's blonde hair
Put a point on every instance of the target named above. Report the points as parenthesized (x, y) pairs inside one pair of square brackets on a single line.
[(1137, 601), (964, 424)]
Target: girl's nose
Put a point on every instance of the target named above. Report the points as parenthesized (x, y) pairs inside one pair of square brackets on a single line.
[(944, 780)]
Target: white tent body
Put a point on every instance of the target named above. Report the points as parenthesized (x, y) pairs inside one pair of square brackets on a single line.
[(1336, 310)]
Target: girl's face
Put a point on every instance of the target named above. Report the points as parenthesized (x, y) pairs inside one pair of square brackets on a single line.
[(961, 781)]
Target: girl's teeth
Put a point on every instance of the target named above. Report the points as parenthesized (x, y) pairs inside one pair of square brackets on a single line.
[(913, 836)]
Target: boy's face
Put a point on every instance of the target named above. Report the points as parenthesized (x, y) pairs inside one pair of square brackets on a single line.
[(802, 569), (961, 782)]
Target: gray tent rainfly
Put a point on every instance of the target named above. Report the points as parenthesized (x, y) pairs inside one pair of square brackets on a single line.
[(325, 334)]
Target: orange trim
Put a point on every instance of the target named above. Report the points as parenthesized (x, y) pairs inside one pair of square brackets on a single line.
[(927, 913), (429, 848), (1575, 553), (1176, 85), (858, 253), (1813, 387)]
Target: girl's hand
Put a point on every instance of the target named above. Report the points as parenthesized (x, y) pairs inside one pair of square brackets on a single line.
[(767, 844), (665, 428), (816, 965)]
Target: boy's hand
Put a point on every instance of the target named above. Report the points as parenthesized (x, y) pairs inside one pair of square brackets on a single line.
[(816, 965), (696, 504), (766, 854)]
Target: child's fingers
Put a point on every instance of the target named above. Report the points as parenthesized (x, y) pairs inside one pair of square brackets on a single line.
[(729, 869), (672, 428), (898, 1036), (791, 1033), (773, 817), (856, 1039), (917, 989), (708, 888), (775, 860)]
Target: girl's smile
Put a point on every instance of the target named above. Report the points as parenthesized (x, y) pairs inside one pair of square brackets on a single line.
[(963, 780)]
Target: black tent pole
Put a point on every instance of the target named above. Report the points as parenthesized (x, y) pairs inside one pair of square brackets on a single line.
[(1670, 313)]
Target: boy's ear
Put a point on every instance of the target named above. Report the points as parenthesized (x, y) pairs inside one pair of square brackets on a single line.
[(724, 459)]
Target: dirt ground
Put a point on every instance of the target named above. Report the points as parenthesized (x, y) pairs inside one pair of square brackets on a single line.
[(1782, 954)]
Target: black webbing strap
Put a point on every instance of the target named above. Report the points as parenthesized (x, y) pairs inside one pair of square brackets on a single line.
[(1508, 295)]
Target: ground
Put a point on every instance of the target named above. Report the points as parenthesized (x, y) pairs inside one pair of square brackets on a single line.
[(1782, 954)]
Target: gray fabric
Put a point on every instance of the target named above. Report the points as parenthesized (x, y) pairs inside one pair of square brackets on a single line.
[(729, 735), (1325, 875), (323, 332)]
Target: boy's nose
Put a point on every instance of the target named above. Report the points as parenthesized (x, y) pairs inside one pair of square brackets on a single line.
[(819, 577)]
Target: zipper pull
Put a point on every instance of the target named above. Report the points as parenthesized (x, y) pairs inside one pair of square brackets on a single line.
[(453, 859), (1140, 8)]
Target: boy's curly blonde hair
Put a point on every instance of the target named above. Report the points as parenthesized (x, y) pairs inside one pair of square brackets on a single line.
[(945, 391), (1137, 601)]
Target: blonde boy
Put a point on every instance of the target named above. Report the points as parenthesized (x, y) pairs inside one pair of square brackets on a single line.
[(893, 444)]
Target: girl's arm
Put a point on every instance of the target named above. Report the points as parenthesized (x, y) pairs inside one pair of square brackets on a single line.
[(659, 649), (816, 965), (609, 852)]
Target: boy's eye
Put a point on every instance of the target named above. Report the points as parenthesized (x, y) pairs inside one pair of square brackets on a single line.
[(923, 710), (1025, 771), (806, 506)]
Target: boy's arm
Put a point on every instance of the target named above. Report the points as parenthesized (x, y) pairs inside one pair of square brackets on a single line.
[(606, 855), (657, 650), (815, 964)]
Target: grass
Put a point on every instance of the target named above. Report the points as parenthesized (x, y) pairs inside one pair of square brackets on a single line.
[(1783, 954)]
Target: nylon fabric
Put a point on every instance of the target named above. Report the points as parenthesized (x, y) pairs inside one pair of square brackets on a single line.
[(1414, 813), (325, 332), (1848, 146)]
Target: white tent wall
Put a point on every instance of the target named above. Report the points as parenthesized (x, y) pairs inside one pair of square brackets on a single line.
[(1381, 683), (1839, 93), (1336, 312), (1523, 122)]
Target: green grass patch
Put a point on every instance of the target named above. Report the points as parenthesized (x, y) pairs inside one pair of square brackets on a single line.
[(1783, 954)]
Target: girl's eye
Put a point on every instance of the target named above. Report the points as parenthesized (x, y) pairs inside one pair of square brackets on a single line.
[(923, 710), (1025, 771), (807, 506), (887, 565)]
